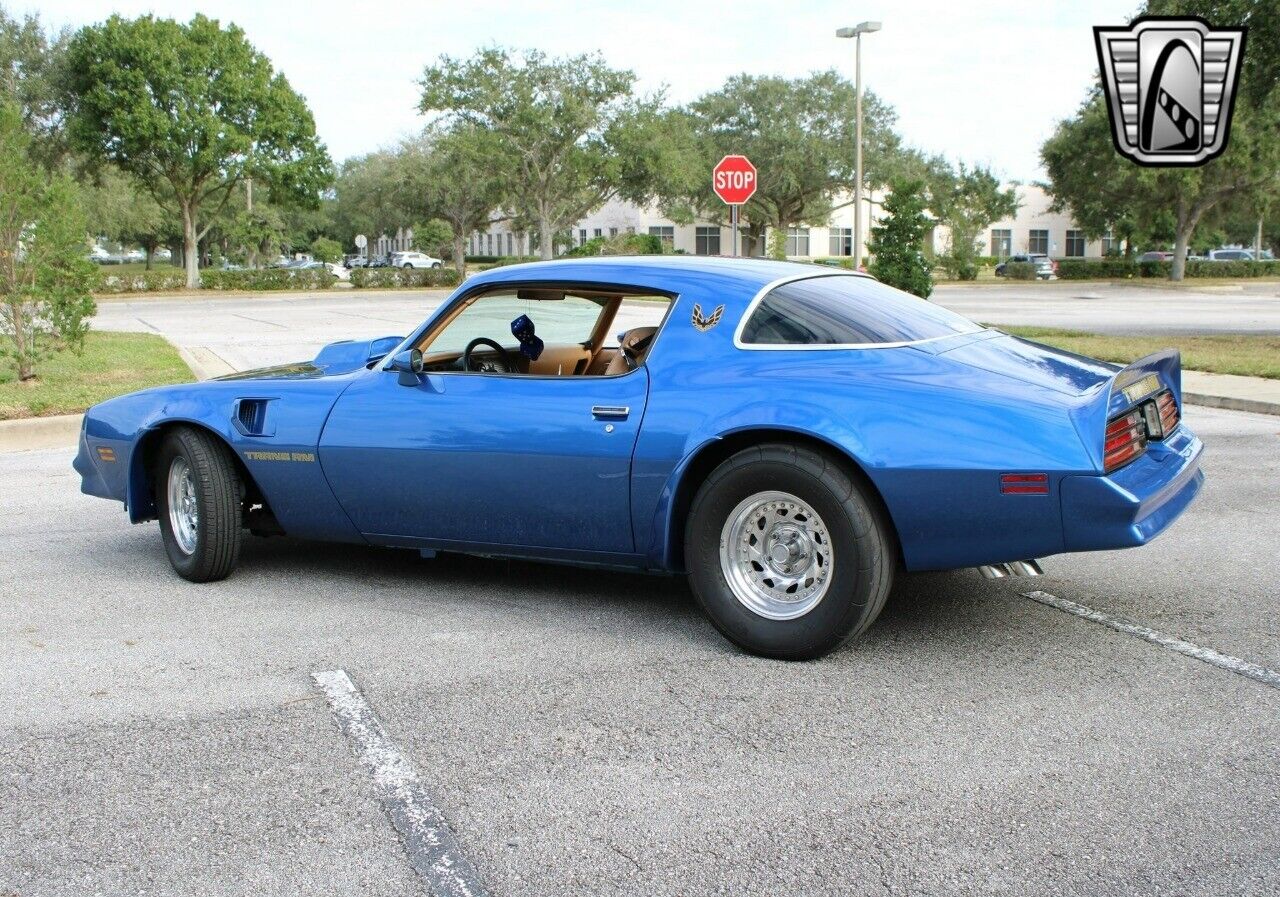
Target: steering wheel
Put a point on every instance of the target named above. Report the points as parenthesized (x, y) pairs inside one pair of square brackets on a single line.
[(501, 364)]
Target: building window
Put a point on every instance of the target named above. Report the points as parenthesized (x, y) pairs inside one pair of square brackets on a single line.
[(666, 234), (1110, 245), (613, 231), (631, 229), (598, 232), (582, 236), (797, 241), (1075, 244), (841, 241), (706, 241), (1038, 242), (1001, 242), (511, 244)]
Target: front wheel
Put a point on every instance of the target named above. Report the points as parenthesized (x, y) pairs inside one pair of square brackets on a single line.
[(407, 266), (786, 554), (199, 497), (435, 266)]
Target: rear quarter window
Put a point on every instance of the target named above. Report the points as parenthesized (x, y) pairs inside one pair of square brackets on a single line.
[(846, 310)]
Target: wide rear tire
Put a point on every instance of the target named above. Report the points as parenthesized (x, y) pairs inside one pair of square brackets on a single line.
[(786, 554), (199, 500)]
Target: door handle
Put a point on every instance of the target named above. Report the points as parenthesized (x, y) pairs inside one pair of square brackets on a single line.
[(610, 412)]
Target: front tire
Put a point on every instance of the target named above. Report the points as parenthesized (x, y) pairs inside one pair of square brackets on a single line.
[(787, 555), (199, 496)]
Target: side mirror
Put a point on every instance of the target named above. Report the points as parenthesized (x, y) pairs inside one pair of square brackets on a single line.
[(408, 364)]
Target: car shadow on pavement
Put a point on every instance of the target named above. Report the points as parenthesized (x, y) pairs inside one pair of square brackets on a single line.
[(953, 603)]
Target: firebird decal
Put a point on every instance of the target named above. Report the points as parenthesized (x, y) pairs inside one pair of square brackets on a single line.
[(705, 324)]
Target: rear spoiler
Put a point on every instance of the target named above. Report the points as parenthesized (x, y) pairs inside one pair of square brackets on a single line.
[(1130, 385)]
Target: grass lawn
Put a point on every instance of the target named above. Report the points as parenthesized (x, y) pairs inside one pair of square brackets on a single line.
[(112, 364), (1250, 356)]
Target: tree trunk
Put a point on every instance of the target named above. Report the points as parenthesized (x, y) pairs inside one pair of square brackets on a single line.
[(149, 251), (190, 247), (546, 238), (460, 254), (1257, 243), (23, 352), (1186, 226)]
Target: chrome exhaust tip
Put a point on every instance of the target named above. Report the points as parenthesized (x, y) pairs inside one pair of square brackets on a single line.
[(1030, 567)]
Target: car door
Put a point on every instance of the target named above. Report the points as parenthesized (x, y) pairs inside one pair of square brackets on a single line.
[(471, 459)]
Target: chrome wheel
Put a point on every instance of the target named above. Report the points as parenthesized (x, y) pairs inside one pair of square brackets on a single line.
[(184, 511), (776, 555)]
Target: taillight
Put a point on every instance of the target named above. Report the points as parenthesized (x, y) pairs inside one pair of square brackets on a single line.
[(1126, 439), (1168, 408)]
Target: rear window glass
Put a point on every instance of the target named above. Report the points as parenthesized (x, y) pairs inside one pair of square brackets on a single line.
[(822, 311)]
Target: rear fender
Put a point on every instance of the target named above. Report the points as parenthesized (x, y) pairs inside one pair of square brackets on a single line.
[(1123, 392)]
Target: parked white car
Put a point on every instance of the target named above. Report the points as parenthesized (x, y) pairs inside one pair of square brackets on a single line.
[(414, 260)]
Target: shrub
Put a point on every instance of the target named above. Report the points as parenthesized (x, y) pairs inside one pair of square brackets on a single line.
[(897, 240), (1020, 270), (266, 279), (161, 280), (384, 278), (325, 250), (622, 244), (1088, 269), (1233, 269)]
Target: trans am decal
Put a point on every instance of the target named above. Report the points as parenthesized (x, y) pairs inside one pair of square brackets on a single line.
[(280, 456)]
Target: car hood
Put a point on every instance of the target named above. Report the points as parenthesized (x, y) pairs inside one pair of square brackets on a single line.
[(1035, 363), (336, 358)]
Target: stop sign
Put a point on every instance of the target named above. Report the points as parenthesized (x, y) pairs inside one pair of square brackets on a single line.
[(734, 179)]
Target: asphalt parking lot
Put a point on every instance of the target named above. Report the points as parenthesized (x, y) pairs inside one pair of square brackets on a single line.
[(589, 732), (247, 332)]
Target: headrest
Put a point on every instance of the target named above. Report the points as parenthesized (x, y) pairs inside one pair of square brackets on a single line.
[(530, 345)]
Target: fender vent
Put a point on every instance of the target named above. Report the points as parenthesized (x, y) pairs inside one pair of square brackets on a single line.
[(251, 417)]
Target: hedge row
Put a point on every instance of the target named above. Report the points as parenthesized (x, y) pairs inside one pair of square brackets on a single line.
[(158, 281), (266, 279), (1119, 268), (404, 277)]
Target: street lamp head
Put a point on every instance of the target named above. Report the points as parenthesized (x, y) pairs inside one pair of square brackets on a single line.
[(863, 28)]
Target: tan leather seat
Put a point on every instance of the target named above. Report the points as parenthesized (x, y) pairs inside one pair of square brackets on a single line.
[(633, 346)]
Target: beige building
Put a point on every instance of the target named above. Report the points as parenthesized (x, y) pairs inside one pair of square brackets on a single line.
[(1033, 229)]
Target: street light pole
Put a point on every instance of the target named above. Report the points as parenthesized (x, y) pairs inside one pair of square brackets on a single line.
[(856, 33)]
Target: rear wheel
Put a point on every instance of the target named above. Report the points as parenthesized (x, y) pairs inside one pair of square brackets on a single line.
[(199, 497), (786, 554)]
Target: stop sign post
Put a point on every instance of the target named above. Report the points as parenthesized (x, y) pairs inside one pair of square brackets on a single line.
[(734, 180)]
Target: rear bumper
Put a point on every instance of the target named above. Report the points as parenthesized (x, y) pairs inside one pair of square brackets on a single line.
[(1136, 503)]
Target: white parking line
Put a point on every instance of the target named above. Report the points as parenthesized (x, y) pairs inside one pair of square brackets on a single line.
[(1208, 655), (433, 849)]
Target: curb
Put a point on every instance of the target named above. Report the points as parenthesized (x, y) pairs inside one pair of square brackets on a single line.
[(31, 433), (1231, 403)]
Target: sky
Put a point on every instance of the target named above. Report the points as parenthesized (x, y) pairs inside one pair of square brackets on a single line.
[(979, 81)]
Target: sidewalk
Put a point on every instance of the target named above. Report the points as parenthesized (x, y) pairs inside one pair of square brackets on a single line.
[(1256, 394)]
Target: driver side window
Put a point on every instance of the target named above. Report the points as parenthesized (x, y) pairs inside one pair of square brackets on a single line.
[(541, 332)]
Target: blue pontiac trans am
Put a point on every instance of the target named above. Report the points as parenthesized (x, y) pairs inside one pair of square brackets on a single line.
[(787, 436)]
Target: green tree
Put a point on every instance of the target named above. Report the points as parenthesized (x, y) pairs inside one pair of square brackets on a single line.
[(897, 243), (434, 237), (31, 70), (799, 133), (366, 197), (45, 279), (450, 175), (194, 108), (117, 209), (325, 250), (967, 200), (558, 123), (1104, 191)]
